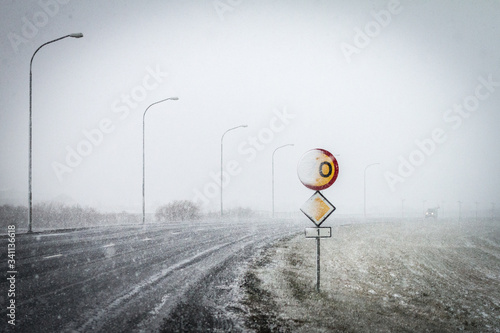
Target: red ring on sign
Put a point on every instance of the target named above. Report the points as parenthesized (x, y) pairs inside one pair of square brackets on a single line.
[(334, 178)]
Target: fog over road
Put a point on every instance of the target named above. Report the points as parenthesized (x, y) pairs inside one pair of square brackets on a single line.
[(134, 278)]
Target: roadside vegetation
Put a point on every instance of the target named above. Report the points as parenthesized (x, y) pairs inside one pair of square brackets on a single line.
[(178, 211), (53, 215), (56, 215)]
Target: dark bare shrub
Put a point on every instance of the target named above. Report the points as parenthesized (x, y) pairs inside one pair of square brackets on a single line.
[(178, 211)]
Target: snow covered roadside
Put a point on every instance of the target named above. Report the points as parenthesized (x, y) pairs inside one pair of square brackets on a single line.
[(417, 276)]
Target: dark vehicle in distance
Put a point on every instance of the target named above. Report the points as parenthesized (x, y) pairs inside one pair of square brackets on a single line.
[(432, 212)]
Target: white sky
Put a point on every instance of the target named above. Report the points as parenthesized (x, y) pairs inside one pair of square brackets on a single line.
[(239, 62)]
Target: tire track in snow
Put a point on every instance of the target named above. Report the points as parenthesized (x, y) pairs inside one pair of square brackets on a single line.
[(96, 321), (81, 281)]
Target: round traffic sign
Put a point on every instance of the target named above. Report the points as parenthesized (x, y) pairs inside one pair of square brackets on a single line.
[(318, 169)]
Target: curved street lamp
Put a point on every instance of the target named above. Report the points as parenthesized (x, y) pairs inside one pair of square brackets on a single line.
[(221, 165), (403, 208), (30, 167), (289, 144), (144, 156), (364, 201)]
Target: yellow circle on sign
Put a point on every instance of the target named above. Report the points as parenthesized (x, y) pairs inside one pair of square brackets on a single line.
[(318, 169)]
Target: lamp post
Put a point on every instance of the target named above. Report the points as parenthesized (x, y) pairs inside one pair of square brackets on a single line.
[(289, 144), (364, 201), (30, 167), (402, 208), (144, 156), (221, 165)]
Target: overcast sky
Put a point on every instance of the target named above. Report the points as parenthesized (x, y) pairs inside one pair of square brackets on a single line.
[(414, 86)]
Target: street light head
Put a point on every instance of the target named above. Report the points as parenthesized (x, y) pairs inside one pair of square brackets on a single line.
[(174, 98), (244, 125), (76, 35)]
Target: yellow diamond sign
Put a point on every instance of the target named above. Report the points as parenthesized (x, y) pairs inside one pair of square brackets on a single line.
[(317, 208)]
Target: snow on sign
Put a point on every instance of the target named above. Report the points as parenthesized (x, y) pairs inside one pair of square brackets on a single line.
[(317, 208), (318, 169)]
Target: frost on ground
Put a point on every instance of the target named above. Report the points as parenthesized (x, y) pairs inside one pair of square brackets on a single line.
[(419, 276)]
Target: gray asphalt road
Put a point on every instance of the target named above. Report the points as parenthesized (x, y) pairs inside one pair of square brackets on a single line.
[(177, 277)]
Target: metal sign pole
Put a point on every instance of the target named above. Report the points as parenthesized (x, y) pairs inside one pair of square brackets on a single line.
[(317, 264)]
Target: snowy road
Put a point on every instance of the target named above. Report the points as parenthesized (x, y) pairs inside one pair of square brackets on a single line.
[(133, 278)]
